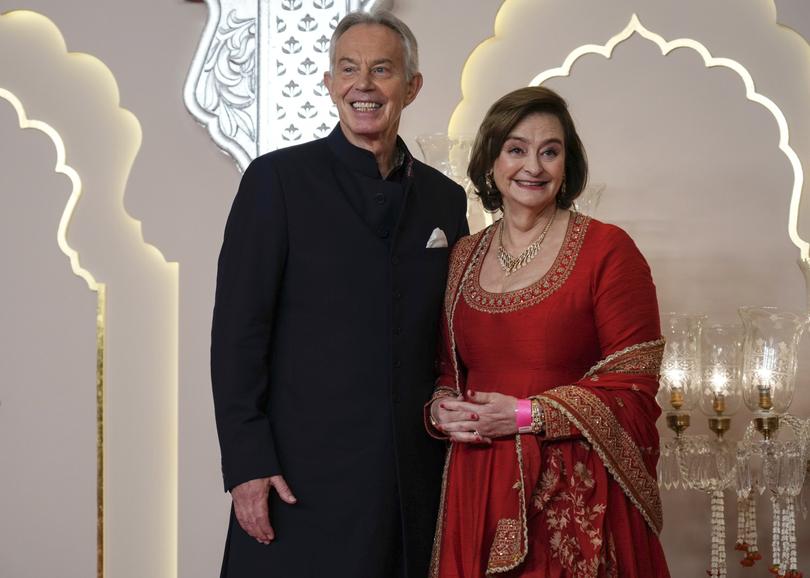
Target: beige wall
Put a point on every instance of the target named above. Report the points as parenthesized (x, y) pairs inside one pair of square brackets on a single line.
[(692, 169)]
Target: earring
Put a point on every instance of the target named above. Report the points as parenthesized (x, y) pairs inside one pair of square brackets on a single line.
[(562, 188)]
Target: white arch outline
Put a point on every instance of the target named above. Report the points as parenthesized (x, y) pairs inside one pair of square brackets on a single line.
[(636, 27), (62, 168)]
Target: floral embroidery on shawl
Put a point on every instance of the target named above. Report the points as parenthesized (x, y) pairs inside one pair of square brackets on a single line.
[(614, 445), (563, 498)]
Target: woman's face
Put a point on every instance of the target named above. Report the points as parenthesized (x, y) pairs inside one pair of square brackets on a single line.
[(530, 168)]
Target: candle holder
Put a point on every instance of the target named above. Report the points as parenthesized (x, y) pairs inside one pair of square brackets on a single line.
[(770, 358), (769, 363), (678, 392), (720, 396), (758, 367), (680, 369), (450, 156)]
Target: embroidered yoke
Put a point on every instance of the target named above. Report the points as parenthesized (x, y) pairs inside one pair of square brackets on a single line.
[(580, 500)]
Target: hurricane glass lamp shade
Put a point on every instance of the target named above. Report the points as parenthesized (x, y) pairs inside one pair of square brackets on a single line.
[(680, 367), (721, 355), (770, 349), (448, 155)]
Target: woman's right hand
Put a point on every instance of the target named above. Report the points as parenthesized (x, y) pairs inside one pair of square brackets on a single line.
[(444, 414)]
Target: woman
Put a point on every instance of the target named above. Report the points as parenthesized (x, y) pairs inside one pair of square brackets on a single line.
[(548, 371)]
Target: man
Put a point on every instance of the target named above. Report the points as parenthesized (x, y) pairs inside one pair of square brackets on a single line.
[(329, 289)]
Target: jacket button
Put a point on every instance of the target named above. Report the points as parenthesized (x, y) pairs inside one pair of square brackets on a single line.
[(397, 364), (380, 198), (383, 232), (397, 330), (397, 294)]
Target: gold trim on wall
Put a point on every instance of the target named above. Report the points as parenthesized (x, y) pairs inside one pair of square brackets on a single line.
[(101, 335)]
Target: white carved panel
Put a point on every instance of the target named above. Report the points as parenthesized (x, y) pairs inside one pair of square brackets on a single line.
[(256, 81)]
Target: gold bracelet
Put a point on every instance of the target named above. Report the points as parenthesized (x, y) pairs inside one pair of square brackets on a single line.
[(537, 417)]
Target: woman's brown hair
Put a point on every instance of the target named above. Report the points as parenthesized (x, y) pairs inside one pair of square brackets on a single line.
[(501, 119)]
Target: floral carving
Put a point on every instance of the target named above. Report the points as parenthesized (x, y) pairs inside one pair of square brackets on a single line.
[(256, 78), (230, 83)]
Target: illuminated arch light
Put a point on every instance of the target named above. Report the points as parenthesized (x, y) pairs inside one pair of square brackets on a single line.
[(99, 288), (61, 168), (636, 27), (42, 26), (104, 76)]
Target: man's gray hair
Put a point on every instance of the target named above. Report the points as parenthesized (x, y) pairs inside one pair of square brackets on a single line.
[(383, 18)]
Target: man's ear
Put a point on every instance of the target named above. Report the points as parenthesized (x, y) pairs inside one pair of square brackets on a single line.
[(414, 86), (327, 80)]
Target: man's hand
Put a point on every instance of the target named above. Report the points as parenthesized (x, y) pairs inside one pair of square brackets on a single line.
[(250, 504)]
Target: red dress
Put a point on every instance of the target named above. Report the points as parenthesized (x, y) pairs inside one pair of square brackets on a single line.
[(580, 500)]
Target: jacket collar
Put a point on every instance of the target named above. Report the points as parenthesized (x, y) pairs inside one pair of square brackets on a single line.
[(361, 160)]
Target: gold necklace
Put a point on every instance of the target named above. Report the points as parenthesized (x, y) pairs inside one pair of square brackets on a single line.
[(511, 264)]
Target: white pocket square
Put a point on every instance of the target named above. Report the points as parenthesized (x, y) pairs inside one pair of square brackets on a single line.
[(437, 239)]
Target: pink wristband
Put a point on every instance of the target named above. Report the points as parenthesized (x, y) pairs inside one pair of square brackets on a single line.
[(523, 415)]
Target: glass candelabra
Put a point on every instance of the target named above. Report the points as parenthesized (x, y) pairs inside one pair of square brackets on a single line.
[(450, 156), (716, 367)]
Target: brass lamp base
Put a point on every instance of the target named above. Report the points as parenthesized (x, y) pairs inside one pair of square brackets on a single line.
[(678, 422), (767, 426), (719, 425)]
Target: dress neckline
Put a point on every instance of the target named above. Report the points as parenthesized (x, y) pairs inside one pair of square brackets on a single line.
[(481, 299)]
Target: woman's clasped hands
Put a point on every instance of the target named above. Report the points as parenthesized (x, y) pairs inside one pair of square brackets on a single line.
[(478, 417)]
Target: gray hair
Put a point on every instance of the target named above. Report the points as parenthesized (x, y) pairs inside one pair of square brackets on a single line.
[(382, 18)]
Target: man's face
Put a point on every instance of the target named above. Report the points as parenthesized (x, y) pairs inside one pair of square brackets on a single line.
[(368, 84)]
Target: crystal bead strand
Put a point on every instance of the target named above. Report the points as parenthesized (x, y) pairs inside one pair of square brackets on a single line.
[(776, 536), (747, 509), (718, 565), (742, 531), (753, 538)]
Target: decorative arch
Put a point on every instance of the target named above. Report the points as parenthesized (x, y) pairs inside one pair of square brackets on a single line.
[(636, 27), (100, 289)]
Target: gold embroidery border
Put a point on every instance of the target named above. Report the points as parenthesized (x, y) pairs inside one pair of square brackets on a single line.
[(622, 352), (456, 294), (628, 468), (440, 519), (458, 262), (491, 568), (505, 529), (482, 300)]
